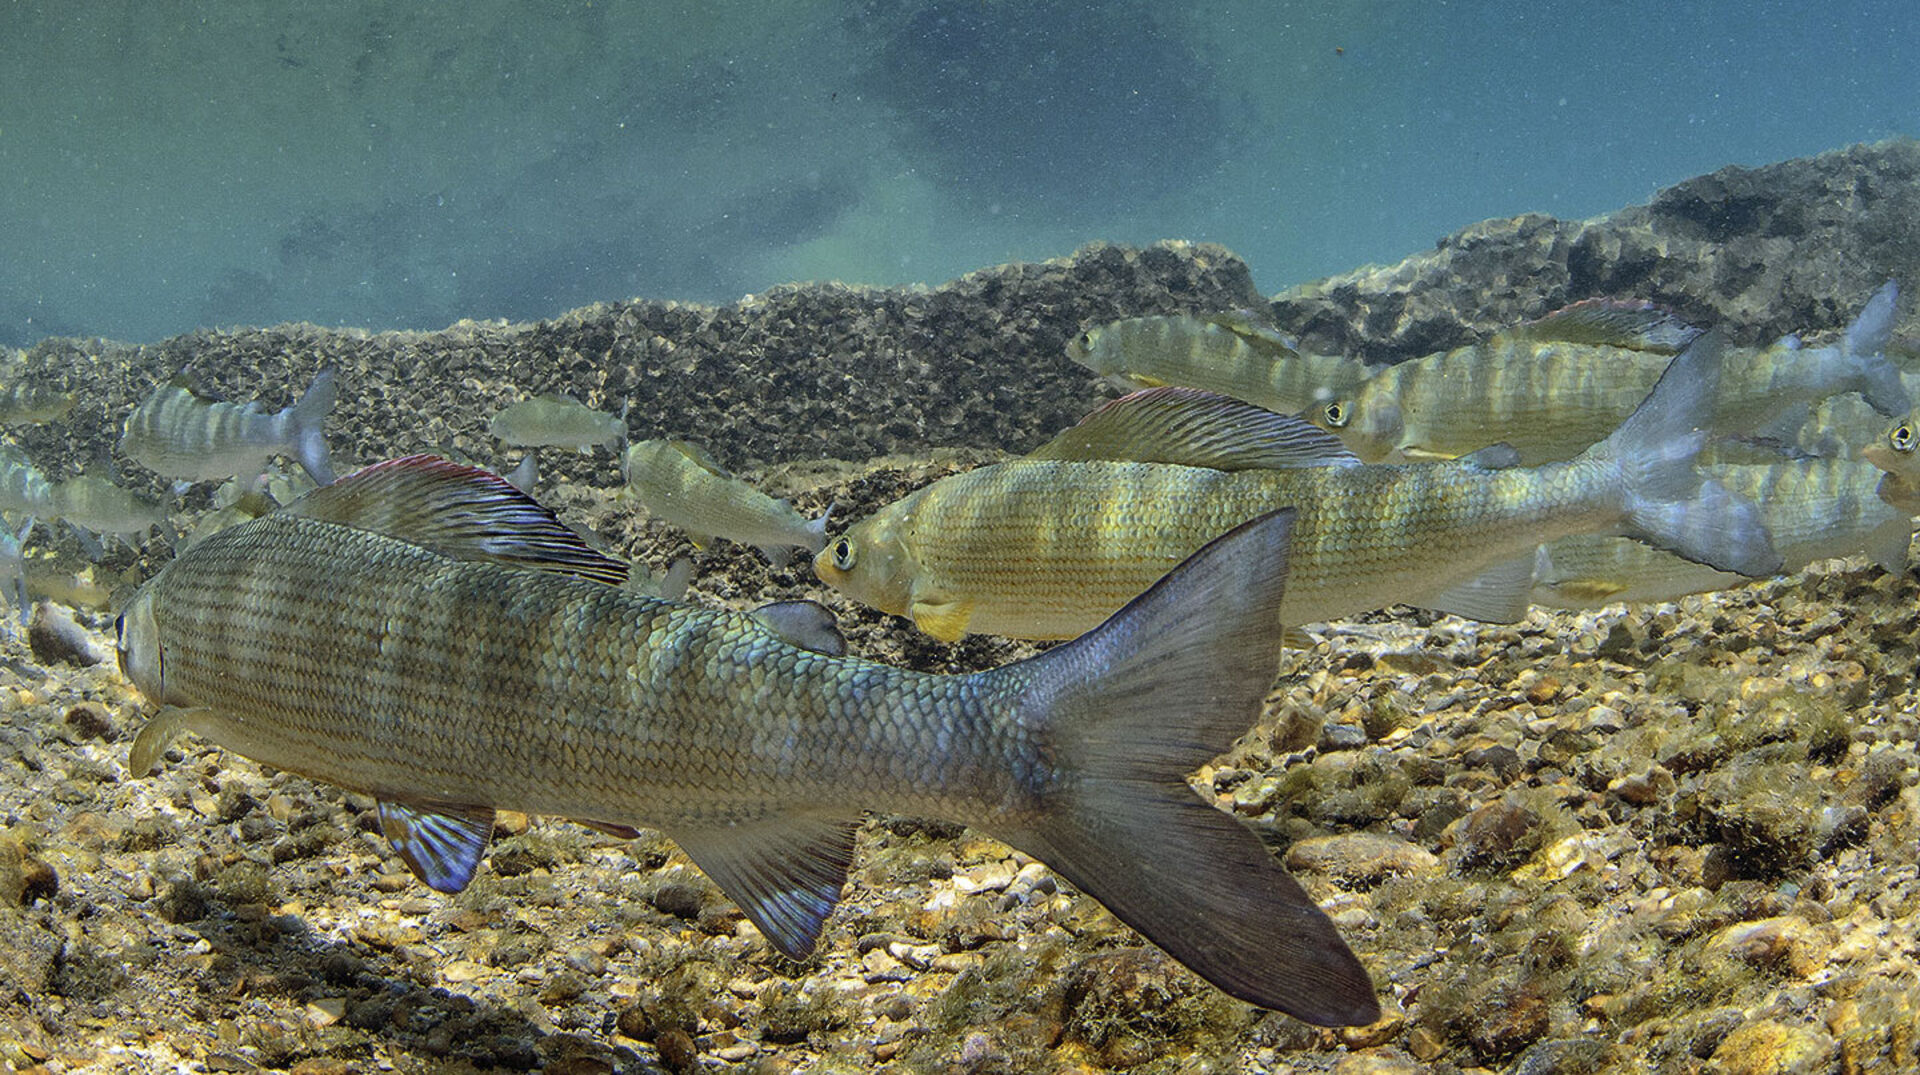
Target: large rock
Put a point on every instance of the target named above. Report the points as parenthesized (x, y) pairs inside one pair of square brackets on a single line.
[(1791, 247)]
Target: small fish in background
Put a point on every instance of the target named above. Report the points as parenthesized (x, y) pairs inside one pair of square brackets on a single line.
[(179, 433), (1228, 353), (423, 633), (92, 506), (555, 421), (1895, 455), (23, 404), (1045, 546), (1549, 388), (683, 485), (13, 568), (23, 488), (1553, 387), (1769, 385), (1816, 509)]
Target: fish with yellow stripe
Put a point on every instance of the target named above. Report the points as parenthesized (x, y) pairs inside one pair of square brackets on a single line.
[(1553, 387), (1227, 353), (425, 634), (1048, 545)]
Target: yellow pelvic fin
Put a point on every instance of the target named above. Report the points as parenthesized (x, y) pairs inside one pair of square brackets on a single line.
[(1594, 590), (943, 620), (1413, 453)]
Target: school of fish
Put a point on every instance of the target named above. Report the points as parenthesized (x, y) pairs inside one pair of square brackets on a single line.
[(424, 632)]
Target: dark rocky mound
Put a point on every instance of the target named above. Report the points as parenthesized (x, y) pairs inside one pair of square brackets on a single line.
[(805, 372), (1791, 247)]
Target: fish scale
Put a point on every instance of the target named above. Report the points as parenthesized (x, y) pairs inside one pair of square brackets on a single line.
[(468, 653), (656, 688)]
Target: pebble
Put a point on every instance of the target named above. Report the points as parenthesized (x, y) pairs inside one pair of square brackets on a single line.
[(1771, 1048), (56, 639), (1785, 942), (1361, 858), (1492, 836), (90, 720), (990, 877)]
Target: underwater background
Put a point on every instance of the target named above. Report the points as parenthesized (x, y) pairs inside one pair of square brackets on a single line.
[(401, 165)]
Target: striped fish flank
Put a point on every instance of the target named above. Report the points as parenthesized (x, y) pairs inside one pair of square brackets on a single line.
[(178, 432)]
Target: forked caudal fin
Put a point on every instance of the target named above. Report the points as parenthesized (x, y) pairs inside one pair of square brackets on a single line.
[(306, 420), (1877, 379), (1125, 712), (1666, 501)]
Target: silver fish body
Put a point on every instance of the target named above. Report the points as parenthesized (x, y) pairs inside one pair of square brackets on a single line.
[(554, 421), (23, 487), (179, 433), (26, 403), (1226, 354), (485, 662), (682, 485), (99, 506), (1551, 388), (13, 569)]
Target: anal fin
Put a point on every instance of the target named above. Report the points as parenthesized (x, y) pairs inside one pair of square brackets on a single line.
[(786, 873), (1500, 594), (807, 624), (442, 843)]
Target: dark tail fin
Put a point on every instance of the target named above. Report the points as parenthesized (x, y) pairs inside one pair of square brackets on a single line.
[(1124, 713)]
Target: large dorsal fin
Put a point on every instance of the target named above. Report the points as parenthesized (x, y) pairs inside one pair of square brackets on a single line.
[(1196, 429), (457, 511), (1637, 326)]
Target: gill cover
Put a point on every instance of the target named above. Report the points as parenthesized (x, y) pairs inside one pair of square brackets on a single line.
[(137, 643)]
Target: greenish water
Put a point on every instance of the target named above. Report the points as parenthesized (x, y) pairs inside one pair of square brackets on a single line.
[(405, 165)]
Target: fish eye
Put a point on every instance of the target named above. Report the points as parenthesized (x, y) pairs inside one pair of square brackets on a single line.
[(1902, 437), (843, 555), (1337, 414)]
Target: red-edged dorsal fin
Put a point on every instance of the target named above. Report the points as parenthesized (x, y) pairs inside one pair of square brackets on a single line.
[(460, 512), (1196, 428)]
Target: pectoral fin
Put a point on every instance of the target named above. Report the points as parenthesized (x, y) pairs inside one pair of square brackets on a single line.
[(159, 734), (786, 873), (442, 843), (943, 620), (807, 624)]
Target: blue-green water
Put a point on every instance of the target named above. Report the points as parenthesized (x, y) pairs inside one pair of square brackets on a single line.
[(405, 165)]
